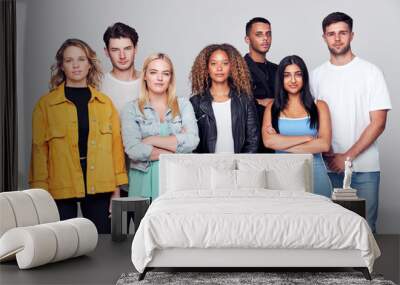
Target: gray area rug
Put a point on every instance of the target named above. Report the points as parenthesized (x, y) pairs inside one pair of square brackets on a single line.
[(231, 278)]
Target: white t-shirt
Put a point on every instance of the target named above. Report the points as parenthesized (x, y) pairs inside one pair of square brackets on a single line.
[(223, 118), (351, 92), (119, 91)]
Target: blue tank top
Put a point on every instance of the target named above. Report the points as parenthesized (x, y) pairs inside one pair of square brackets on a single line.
[(296, 127), (301, 127)]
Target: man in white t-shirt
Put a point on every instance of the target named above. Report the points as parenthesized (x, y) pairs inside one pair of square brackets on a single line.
[(122, 83), (358, 99)]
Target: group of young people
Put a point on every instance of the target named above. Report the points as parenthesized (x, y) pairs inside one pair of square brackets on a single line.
[(83, 140)]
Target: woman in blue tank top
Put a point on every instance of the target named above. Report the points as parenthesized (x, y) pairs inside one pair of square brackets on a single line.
[(295, 123)]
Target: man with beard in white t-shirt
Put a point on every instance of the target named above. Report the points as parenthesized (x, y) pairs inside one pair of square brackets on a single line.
[(122, 83), (358, 99)]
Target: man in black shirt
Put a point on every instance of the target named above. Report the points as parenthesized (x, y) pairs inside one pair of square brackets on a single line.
[(259, 38)]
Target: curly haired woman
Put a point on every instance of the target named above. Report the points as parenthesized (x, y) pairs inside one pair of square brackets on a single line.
[(222, 101), (77, 152)]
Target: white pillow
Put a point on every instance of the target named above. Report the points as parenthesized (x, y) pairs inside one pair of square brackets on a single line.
[(223, 179), (281, 174), (182, 177), (188, 176), (293, 180), (251, 178)]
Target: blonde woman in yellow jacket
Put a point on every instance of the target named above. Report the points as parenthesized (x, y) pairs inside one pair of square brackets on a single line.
[(77, 152)]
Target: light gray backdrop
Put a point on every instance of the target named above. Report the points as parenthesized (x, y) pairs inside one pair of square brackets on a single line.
[(183, 28)]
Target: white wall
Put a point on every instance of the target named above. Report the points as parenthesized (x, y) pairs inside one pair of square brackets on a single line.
[(183, 28)]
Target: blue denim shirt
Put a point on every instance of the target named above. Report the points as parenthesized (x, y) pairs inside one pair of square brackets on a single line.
[(137, 126)]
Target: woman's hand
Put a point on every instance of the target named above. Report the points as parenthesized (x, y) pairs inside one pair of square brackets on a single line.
[(115, 194), (155, 153), (264, 102)]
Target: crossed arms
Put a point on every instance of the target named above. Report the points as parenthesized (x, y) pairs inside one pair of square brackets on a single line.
[(299, 144), (321, 143)]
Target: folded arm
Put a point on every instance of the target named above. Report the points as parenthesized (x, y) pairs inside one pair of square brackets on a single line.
[(132, 137), (162, 142), (155, 153), (322, 142), (187, 139), (275, 141)]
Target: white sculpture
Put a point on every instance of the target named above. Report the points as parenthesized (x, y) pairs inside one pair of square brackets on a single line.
[(31, 231), (348, 170)]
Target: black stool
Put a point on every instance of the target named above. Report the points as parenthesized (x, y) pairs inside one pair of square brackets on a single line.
[(138, 205)]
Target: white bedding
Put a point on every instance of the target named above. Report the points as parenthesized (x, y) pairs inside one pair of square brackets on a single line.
[(251, 218)]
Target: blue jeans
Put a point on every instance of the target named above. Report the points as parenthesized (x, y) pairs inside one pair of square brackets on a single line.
[(322, 184), (367, 185)]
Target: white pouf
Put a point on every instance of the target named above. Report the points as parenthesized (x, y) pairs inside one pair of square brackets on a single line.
[(31, 232)]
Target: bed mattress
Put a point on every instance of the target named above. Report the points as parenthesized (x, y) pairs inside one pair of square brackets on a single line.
[(251, 219)]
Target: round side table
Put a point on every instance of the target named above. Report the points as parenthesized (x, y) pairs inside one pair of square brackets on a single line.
[(138, 205)]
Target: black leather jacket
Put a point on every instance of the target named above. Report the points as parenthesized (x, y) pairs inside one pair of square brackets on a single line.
[(245, 126)]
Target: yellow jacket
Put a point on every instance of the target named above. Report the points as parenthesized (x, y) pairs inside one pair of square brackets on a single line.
[(55, 164)]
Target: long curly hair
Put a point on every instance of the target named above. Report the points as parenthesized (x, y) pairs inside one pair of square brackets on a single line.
[(171, 91), (57, 74), (239, 78)]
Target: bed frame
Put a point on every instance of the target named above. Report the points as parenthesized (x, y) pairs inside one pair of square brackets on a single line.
[(242, 259)]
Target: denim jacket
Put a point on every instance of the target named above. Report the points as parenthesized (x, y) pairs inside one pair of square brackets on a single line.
[(137, 126)]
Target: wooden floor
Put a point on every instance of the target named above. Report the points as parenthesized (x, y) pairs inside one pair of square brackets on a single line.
[(110, 260)]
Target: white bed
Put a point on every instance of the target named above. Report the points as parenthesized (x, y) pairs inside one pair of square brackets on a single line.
[(220, 211)]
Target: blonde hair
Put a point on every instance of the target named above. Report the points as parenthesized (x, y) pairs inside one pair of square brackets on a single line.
[(57, 74), (239, 78), (172, 100)]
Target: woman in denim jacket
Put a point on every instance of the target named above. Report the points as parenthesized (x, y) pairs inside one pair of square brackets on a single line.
[(158, 122)]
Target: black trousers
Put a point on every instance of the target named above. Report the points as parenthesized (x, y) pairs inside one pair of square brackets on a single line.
[(94, 207)]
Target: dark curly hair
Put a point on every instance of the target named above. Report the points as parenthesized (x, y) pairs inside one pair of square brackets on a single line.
[(239, 78)]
